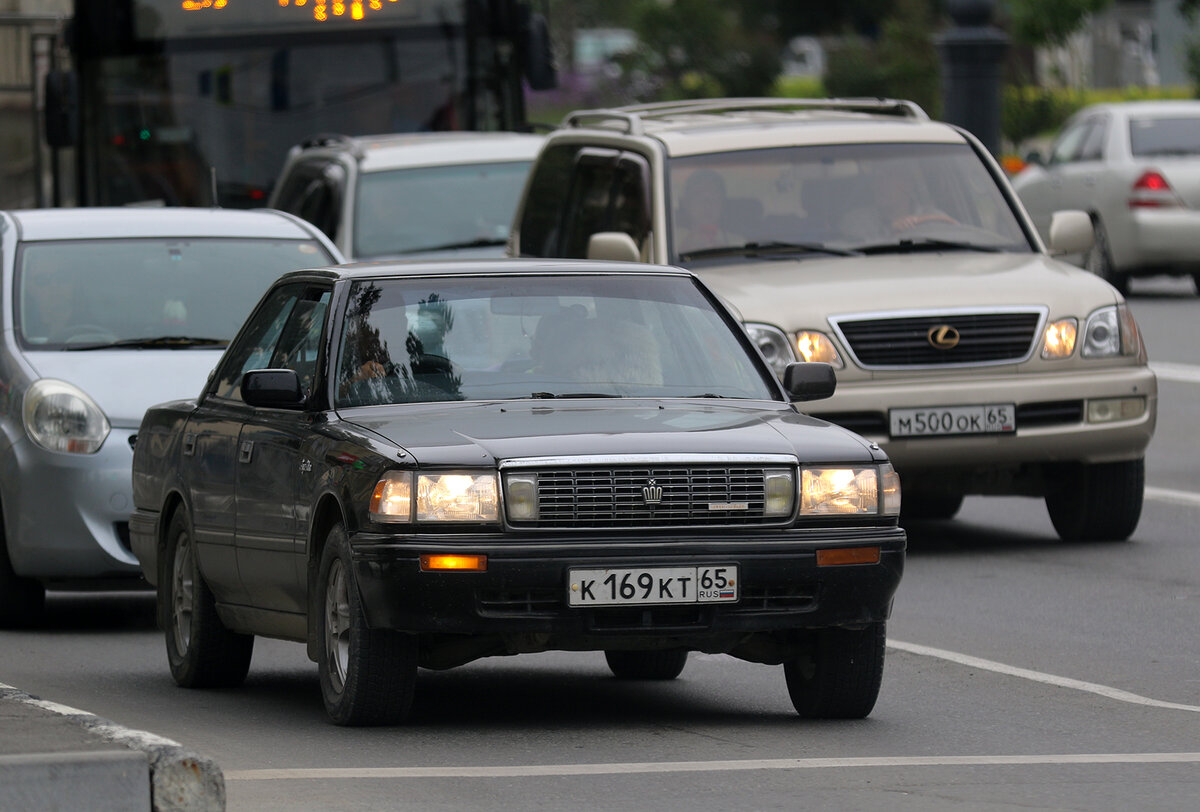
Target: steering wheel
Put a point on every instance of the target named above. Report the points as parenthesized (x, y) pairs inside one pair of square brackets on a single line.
[(79, 333)]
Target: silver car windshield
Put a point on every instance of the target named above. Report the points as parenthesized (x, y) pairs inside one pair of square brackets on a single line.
[(838, 199), (414, 340), (94, 294), (437, 208)]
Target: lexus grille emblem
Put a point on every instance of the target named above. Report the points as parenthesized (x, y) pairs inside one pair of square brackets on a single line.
[(943, 337), (652, 493)]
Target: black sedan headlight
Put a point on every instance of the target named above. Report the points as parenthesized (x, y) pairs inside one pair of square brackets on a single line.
[(457, 496)]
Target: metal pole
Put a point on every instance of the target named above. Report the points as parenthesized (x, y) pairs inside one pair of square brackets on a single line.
[(972, 52)]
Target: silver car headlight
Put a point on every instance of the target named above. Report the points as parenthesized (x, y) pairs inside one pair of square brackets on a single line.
[(59, 416), (1109, 332), (850, 490), (449, 497)]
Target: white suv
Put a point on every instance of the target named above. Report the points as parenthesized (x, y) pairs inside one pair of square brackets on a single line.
[(408, 195), (863, 234)]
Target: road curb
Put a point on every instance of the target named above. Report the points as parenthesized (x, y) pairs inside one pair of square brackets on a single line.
[(179, 780)]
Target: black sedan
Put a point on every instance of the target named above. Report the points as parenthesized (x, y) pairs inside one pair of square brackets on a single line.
[(418, 465)]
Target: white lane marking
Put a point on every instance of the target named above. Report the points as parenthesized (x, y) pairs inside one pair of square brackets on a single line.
[(538, 770), (1183, 373), (1176, 497), (1037, 676)]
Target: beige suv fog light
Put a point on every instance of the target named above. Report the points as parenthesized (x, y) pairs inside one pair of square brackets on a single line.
[(1110, 410)]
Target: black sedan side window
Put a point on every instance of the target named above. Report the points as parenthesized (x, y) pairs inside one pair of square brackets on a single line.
[(255, 346)]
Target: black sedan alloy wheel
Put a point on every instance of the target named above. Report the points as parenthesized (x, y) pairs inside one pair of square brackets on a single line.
[(201, 652), (367, 675)]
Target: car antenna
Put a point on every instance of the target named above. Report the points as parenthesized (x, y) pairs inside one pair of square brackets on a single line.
[(212, 176)]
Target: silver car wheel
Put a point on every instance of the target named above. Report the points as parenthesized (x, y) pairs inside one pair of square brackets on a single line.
[(337, 625), (183, 590)]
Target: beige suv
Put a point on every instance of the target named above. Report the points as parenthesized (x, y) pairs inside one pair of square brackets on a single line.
[(863, 234)]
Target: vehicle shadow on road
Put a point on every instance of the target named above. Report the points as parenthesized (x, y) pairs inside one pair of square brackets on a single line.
[(100, 612), (959, 536)]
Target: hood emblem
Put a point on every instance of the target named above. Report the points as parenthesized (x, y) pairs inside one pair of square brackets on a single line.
[(943, 337), (652, 493)]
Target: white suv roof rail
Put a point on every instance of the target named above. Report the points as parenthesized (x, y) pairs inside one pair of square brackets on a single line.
[(633, 115)]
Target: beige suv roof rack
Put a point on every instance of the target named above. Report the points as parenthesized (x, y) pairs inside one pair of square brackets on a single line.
[(632, 116)]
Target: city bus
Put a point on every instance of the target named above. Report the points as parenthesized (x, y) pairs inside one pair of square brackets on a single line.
[(196, 102)]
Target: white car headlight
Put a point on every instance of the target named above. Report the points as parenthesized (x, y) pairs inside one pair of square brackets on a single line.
[(1109, 332), (849, 490), (61, 417)]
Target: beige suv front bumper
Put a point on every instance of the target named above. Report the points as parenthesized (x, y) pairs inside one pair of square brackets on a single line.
[(1067, 438)]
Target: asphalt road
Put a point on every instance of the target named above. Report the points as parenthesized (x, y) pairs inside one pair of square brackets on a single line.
[(1023, 673)]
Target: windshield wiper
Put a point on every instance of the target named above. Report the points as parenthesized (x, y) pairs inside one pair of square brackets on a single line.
[(480, 242), (911, 246), (156, 342), (541, 395), (754, 249)]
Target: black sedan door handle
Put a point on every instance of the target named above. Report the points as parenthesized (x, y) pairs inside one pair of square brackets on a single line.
[(246, 451)]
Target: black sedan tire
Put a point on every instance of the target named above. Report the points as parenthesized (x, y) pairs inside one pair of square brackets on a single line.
[(367, 675), (649, 665), (201, 652), (1098, 502), (842, 677)]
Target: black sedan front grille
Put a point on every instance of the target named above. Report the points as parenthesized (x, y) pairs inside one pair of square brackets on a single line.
[(675, 496), (977, 338)]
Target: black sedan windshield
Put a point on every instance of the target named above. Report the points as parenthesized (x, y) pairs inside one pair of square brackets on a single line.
[(424, 339)]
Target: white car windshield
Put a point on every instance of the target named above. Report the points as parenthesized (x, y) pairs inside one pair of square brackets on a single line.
[(92, 294), (844, 198), (436, 208), (486, 338)]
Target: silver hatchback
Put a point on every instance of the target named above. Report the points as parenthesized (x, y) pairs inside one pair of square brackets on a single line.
[(106, 312)]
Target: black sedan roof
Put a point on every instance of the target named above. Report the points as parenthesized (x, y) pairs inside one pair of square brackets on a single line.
[(488, 267)]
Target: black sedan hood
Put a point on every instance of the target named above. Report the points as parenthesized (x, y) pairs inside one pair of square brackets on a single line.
[(483, 433)]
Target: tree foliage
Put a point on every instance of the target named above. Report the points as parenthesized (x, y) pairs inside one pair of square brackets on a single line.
[(1040, 23), (902, 63)]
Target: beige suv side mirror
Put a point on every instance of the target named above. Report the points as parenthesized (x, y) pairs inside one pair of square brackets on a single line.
[(1071, 232), (614, 246)]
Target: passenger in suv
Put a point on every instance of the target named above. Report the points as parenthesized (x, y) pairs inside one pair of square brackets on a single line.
[(408, 195), (980, 363)]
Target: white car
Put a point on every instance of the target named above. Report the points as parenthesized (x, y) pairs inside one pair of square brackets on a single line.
[(108, 311), (863, 234), (1134, 167), (410, 195)]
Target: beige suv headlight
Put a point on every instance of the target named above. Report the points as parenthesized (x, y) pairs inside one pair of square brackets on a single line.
[(1109, 332)]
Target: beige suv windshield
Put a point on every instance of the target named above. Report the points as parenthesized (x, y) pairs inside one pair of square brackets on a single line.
[(849, 197)]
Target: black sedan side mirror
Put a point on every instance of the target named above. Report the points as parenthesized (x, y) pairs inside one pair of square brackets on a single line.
[(272, 389), (809, 380)]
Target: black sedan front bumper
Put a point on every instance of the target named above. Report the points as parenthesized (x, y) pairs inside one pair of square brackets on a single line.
[(524, 590)]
